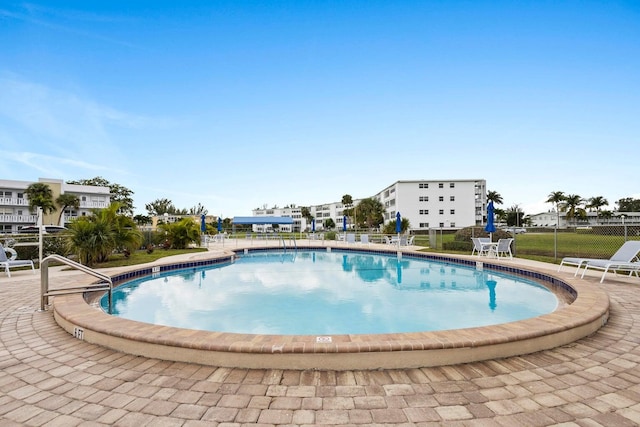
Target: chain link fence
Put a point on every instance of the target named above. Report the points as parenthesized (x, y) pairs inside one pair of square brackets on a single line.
[(584, 242)]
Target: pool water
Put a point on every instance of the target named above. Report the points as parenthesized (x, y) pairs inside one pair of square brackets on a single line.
[(329, 293)]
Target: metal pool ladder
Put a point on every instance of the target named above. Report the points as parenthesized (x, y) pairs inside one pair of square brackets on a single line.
[(105, 283)]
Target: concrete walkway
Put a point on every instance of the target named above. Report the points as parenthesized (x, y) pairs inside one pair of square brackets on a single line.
[(49, 378)]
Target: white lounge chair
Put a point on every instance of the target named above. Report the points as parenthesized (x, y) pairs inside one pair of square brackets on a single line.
[(614, 266), (13, 263), (627, 253), (364, 239), (504, 248), (351, 237)]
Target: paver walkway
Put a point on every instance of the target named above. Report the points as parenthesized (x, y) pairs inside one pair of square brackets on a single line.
[(48, 378)]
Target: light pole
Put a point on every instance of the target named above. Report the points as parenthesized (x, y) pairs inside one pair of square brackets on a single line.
[(624, 226)]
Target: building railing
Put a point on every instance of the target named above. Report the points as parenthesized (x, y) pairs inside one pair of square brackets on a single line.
[(18, 219), (14, 201)]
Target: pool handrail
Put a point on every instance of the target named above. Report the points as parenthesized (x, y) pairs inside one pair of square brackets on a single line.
[(45, 292)]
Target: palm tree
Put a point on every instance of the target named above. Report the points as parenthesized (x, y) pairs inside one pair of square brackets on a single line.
[(181, 233), (556, 197), (596, 203), (347, 202), (40, 196), (96, 236), (67, 201), (572, 204), (495, 197), (370, 212)]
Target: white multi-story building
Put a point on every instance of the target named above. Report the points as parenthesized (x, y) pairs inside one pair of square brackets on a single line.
[(427, 204), (14, 204), (442, 204)]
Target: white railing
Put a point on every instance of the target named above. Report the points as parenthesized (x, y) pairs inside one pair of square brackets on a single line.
[(10, 218), (14, 201)]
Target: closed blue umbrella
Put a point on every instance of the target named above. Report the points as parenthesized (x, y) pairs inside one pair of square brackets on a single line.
[(313, 225), (219, 224), (344, 223), (398, 226), (490, 227), (203, 225)]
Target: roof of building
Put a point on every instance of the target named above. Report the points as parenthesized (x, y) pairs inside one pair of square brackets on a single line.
[(262, 220)]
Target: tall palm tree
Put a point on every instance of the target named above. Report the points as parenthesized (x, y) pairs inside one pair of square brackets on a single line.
[(66, 201), (495, 197), (557, 198), (596, 203), (40, 196), (572, 203)]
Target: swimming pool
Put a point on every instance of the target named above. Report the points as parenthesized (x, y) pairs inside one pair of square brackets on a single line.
[(319, 292), (584, 308)]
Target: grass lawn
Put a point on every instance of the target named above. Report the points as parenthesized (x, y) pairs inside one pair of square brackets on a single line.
[(549, 247), (142, 257)]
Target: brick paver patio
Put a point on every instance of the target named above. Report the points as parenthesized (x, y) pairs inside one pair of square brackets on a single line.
[(49, 378)]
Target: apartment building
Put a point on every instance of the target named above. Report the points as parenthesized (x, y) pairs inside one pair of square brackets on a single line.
[(427, 204), (14, 204), (441, 204)]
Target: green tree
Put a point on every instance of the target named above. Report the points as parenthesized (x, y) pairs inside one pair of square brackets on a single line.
[(628, 204), (40, 196), (596, 203), (573, 207), (369, 213), (515, 216), (181, 233), (198, 210), (305, 212), (119, 194), (142, 220), (94, 237), (495, 197), (160, 207), (347, 202), (390, 227), (67, 201), (329, 224), (557, 198)]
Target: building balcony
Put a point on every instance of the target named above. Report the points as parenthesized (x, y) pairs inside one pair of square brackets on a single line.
[(18, 219), (93, 205), (13, 201)]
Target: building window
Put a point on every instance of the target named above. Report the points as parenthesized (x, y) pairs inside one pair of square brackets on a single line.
[(423, 185), (441, 199), (453, 224), (441, 212), (452, 198), (441, 185), (452, 185), (453, 211), (424, 225), (424, 198), (442, 225), (424, 211)]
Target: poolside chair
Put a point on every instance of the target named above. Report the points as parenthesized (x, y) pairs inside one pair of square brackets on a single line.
[(626, 254), (351, 237), (364, 239), (612, 266), (504, 248), (478, 245), (13, 263)]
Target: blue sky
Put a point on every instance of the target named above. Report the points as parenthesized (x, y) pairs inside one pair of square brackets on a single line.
[(238, 104)]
